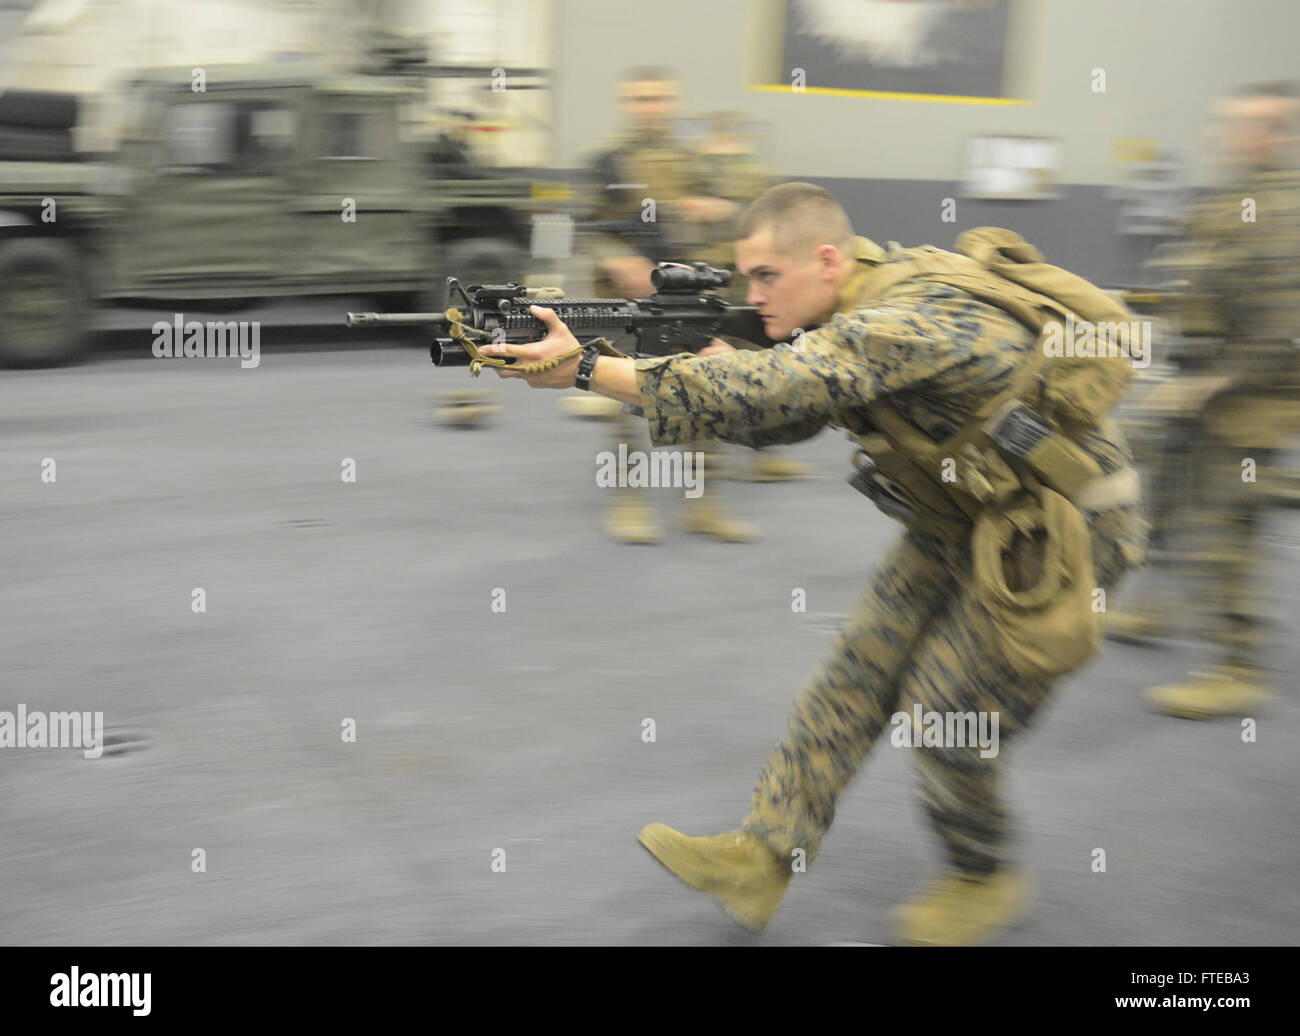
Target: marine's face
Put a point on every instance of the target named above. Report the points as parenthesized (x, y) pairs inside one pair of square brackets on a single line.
[(648, 105), (790, 291), (1255, 131)]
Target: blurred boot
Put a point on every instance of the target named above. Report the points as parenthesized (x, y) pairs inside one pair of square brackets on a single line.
[(707, 516), (705, 513), (742, 873), (777, 469), (1232, 689), (590, 405), (963, 910), (631, 519), (1143, 627), (1147, 619), (465, 409)]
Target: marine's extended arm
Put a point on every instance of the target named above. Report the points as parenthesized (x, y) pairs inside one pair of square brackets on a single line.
[(792, 391)]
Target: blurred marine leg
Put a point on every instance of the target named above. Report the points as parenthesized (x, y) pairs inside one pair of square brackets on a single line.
[(1226, 560), (984, 705), (707, 514), (837, 718), (630, 516)]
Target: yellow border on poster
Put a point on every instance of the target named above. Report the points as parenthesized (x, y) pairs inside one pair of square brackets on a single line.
[(830, 91)]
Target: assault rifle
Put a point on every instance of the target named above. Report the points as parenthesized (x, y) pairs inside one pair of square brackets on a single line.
[(684, 313)]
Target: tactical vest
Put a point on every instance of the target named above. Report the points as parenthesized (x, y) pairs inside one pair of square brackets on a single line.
[(659, 170), (1013, 479), (1026, 435)]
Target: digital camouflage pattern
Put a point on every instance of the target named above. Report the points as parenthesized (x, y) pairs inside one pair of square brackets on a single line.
[(666, 172), (739, 178), (914, 639), (937, 353), (1247, 288), (1249, 278), (656, 168)]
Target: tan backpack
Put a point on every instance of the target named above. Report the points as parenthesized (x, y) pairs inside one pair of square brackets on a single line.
[(1029, 428), (1013, 471)]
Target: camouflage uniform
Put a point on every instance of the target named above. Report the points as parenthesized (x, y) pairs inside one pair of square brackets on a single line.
[(936, 353), (1253, 282), (740, 179), (664, 172), (1246, 292), (660, 170)]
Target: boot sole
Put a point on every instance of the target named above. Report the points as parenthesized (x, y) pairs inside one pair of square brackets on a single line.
[(1199, 714), (636, 539), (720, 537), (623, 534)]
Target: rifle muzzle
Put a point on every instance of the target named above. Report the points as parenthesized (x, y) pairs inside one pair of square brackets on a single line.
[(377, 319)]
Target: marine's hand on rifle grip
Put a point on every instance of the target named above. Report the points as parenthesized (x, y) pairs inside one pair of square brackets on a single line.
[(558, 341), (717, 346)]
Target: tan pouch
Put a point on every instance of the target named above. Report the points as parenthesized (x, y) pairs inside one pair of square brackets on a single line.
[(1077, 389), (1034, 580), (895, 479)]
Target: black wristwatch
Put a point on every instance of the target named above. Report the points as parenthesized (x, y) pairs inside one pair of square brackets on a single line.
[(586, 367)]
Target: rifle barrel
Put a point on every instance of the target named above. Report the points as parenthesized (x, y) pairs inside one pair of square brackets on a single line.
[(375, 319)]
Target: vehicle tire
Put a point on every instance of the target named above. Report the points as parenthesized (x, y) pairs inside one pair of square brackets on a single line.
[(483, 260), (38, 108), (26, 144), (45, 303)]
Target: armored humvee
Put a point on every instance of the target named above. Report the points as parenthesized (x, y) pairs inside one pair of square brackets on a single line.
[(270, 181)]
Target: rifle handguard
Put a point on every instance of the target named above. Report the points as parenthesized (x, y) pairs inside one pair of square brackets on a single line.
[(477, 361)]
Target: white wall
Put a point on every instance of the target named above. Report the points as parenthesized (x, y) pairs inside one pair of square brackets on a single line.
[(1165, 60), (89, 46)]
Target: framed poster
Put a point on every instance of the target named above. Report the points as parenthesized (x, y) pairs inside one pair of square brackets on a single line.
[(937, 50)]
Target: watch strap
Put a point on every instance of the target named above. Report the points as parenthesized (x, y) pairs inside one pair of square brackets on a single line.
[(587, 366)]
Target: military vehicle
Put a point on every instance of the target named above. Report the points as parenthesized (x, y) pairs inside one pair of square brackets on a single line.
[(271, 181)]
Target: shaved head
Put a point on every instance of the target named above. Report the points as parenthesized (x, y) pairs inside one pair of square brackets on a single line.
[(801, 217), (796, 247)]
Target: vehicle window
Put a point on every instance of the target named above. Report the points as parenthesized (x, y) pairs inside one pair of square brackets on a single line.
[(198, 137), (269, 137), (139, 113), (225, 136), (358, 136)]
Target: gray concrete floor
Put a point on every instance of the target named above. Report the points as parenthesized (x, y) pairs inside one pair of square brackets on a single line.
[(518, 730)]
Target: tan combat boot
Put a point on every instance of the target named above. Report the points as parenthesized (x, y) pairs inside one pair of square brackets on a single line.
[(1226, 690), (631, 519), (738, 870), (467, 409), (776, 469), (591, 405), (1137, 627), (706, 516), (963, 910)]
